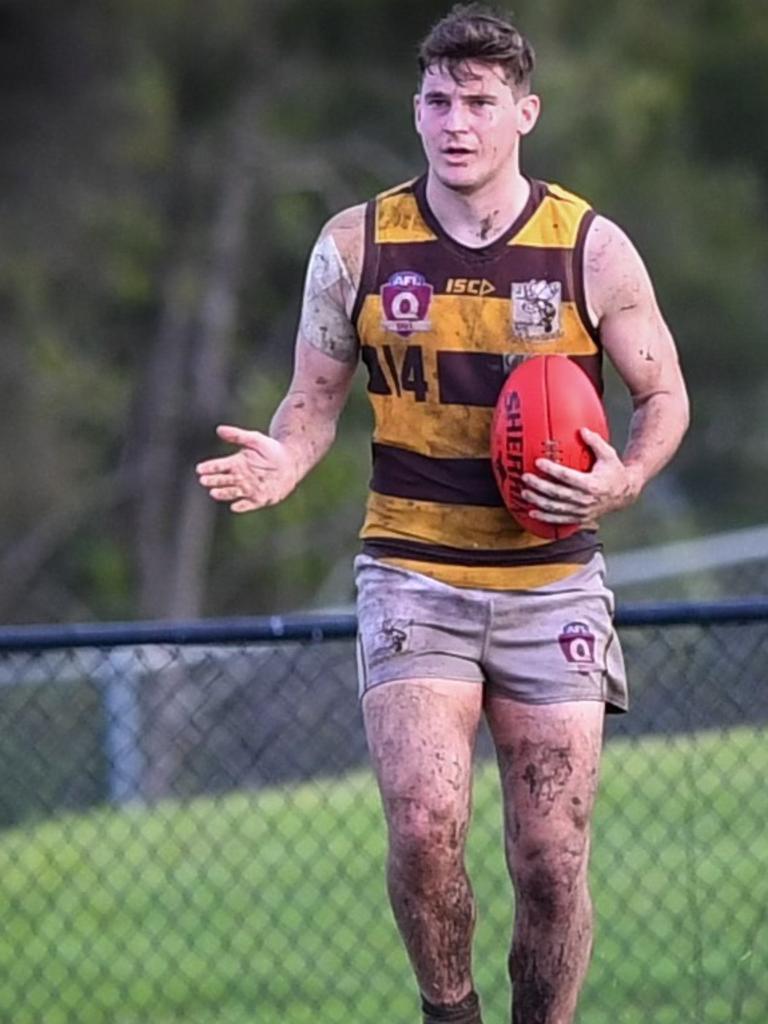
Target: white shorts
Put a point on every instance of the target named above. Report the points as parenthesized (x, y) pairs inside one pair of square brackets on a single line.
[(543, 646)]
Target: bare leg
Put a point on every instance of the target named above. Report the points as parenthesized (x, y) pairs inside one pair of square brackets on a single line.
[(548, 758), (421, 734)]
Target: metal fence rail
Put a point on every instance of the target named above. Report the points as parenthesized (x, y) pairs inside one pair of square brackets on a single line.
[(189, 830)]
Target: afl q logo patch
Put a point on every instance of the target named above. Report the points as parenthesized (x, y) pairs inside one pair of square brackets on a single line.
[(405, 302), (577, 642)]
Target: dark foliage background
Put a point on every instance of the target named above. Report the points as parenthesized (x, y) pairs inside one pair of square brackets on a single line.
[(165, 168)]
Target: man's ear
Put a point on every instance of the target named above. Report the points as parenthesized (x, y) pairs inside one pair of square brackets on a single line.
[(529, 108), (416, 109)]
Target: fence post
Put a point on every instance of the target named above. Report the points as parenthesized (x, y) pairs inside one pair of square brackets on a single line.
[(125, 758)]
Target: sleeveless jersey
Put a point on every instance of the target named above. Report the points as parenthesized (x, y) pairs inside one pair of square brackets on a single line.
[(440, 327)]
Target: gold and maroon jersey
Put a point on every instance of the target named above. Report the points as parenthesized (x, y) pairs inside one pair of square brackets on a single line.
[(440, 327)]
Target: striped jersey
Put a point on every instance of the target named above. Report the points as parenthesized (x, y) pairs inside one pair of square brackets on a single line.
[(440, 327)]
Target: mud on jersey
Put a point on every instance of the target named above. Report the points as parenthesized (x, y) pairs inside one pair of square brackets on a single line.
[(440, 327)]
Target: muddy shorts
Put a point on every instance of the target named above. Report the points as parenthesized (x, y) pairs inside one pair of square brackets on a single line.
[(544, 646)]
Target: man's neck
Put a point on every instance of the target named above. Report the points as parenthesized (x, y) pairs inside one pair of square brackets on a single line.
[(478, 218)]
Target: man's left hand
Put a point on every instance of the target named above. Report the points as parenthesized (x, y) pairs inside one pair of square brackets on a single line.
[(564, 495)]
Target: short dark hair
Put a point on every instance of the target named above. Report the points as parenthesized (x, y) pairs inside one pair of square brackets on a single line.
[(477, 32)]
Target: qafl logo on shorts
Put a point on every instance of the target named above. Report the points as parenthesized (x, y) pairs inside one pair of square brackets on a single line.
[(405, 301), (577, 642)]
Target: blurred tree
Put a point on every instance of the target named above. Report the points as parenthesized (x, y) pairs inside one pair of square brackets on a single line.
[(165, 169)]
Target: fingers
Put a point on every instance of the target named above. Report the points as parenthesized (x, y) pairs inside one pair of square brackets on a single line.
[(560, 518), (237, 497), (252, 439), (245, 438), (565, 495), (213, 471), (257, 475), (539, 487), (573, 478), (212, 467), (245, 505), (260, 446), (244, 487), (559, 503), (226, 493), (598, 444), (212, 479), (557, 510)]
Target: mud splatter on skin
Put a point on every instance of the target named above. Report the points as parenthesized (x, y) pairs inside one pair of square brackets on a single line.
[(549, 779), (422, 757), (325, 323), (550, 953), (434, 908), (514, 832), (599, 250), (486, 225), (547, 770), (579, 815), (533, 995), (541, 895)]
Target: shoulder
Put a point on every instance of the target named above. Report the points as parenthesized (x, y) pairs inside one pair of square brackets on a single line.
[(563, 195), (559, 216), (342, 239), (346, 222), (606, 239), (614, 272)]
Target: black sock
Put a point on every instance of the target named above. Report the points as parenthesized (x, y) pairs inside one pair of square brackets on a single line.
[(465, 1012)]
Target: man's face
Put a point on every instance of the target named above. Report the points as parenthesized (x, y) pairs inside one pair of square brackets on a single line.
[(471, 130)]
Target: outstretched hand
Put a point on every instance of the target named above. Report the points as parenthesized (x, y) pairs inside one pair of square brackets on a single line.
[(566, 496), (261, 473)]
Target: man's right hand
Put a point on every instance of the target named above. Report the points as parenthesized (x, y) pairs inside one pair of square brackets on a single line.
[(261, 473)]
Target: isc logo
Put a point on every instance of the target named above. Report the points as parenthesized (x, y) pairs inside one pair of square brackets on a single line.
[(469, 286)]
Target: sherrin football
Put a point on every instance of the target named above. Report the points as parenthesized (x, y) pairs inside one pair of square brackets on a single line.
[(544, 402)]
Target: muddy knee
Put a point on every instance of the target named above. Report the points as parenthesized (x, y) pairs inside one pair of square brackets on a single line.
[(550, 885), (544, 895), (425, 841)]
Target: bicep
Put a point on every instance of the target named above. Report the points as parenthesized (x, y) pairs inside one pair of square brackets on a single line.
[(640, 345), (325, 323), (326, 352), (632, 328), (327, 345)]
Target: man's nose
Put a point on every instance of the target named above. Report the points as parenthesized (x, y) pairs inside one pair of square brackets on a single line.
[(455, 118)]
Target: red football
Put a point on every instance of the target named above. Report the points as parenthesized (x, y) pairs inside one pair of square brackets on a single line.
[(542, 405)]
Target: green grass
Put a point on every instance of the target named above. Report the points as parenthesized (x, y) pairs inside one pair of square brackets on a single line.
[(271, 906)]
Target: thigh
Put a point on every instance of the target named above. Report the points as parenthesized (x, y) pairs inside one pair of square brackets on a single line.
[(421, 735), (548, 760)]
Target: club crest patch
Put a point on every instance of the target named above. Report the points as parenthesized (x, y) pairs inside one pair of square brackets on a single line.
[(577, 642), (536, 309), (405, 302)]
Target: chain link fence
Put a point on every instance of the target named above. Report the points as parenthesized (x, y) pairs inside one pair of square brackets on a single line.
[(190, 831)]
